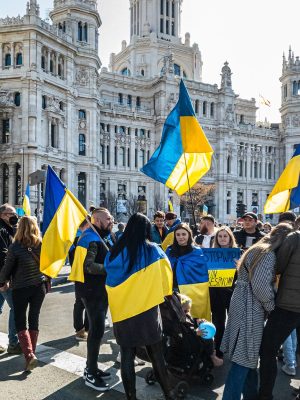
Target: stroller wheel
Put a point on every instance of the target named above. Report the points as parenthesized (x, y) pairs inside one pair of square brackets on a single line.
[(150, 378), (181, 388), (208, 379)]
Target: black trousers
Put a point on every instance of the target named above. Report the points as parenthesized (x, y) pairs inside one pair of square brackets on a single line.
[(96, 313), (155, 353), (79, 322), (219, 303), (279, 326), (32, 296)]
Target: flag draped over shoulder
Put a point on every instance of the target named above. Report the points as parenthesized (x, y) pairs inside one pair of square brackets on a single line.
[(63, 214), (88, 236), (26, 201), (193, 281), (286, 192), (134, 292), (169, 239), (184, 154)]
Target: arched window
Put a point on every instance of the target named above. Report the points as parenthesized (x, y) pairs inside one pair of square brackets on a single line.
[(43, 62), (5, 182), (79, 32), (7, 60), (116, 156), (143, 72), (44, 102), (82, 114), (51, 66), (18, 188), (229, 165), (122, 156), (241, 168), (107, 155), (129, 100), (126, 71), (177, 69), (295, 88), (197, 107), (54, 138), (128, 157), (138, 102), (255, 169), (82, 144), (61, 106), (17, 100), (142, 157), (102, 154), (136, 132), (82, 188), (5, 130), (120, 98), (19, 59), (59, 70), (85, 32), (204, 107), (212, 109), (269, 171)]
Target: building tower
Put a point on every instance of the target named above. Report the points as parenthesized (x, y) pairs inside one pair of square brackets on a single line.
[(159, 16), (290, 102)]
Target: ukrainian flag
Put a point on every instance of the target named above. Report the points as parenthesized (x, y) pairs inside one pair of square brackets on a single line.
[(193, 281), (77, 272), (286, 192), (26, 201), (131, 293), (169, 239), (184, 154), (63, 214)]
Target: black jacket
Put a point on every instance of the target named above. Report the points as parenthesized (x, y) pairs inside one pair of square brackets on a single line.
[(241, 237), (20, 267), (6, 237)]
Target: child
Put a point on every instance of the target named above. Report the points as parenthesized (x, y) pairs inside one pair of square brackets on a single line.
[(186, 304)]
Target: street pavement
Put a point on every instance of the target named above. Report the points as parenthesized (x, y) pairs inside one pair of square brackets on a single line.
[(62, 359)]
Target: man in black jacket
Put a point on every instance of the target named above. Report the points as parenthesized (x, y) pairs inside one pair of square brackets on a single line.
[(8, 220), (92, 247), (250, 234)]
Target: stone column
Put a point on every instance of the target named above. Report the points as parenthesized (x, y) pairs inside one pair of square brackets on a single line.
[(48, 61), (12, 46), (49, 132), (56, 63)]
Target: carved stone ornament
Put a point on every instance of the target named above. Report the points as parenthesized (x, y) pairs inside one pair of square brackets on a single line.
[(296, 121), (11, 21), (53, 104), (229, 116), (6, 98), (82, 77)]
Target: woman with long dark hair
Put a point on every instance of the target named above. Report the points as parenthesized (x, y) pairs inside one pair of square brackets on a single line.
[(22, 270), (138, 277)]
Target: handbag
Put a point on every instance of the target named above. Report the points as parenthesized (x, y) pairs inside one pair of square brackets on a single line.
[(47, 279)]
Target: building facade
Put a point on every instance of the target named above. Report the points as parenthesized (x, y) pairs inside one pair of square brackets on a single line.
[(97, 126)]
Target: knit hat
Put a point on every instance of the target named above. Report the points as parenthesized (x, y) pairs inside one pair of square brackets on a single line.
[(170, 215)]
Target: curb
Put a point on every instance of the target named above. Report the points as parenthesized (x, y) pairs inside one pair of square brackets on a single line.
[(59, 281)]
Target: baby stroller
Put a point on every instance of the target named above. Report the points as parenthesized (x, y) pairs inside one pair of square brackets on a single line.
[(187, 355)]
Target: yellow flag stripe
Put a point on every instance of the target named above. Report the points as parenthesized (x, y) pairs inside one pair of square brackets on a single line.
[(199, 293), (77, 273), (137, 295), (169, 239)]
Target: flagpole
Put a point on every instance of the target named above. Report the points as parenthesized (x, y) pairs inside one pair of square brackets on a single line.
[(191, 197)]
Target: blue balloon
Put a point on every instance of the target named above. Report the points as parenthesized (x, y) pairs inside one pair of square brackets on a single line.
[(209, 330)]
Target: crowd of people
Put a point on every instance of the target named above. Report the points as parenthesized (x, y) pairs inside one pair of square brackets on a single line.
[(254, 317)]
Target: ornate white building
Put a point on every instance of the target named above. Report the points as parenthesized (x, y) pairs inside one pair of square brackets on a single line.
[(97, 127)]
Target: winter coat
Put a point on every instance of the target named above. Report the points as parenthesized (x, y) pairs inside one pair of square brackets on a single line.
[(155, 235), (6, 237), (288, 266), (241, 237), (250, 302), (21, 267)]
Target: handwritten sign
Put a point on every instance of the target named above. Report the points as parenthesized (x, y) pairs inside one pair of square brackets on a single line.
[(221, 265)]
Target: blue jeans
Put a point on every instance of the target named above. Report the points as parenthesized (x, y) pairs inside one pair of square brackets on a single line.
[(289, 349), (241, 380), (12, 333)]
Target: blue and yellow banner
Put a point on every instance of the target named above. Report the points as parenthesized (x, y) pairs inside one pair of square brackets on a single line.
[(221, 264), (133, 292), (184, 154), (286, 192), (193, 281), (77, 271), (63, 214), (26, 201)]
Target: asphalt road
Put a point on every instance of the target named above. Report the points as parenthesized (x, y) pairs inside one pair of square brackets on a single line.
[(62, 359)]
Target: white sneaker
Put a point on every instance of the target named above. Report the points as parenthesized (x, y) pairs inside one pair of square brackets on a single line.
[(291, 371)]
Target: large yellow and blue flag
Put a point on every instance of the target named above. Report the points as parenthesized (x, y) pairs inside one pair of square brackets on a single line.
[(285, 194), (133, 292), (193, 280), (184, 154), (63, 214), (26, 201)]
